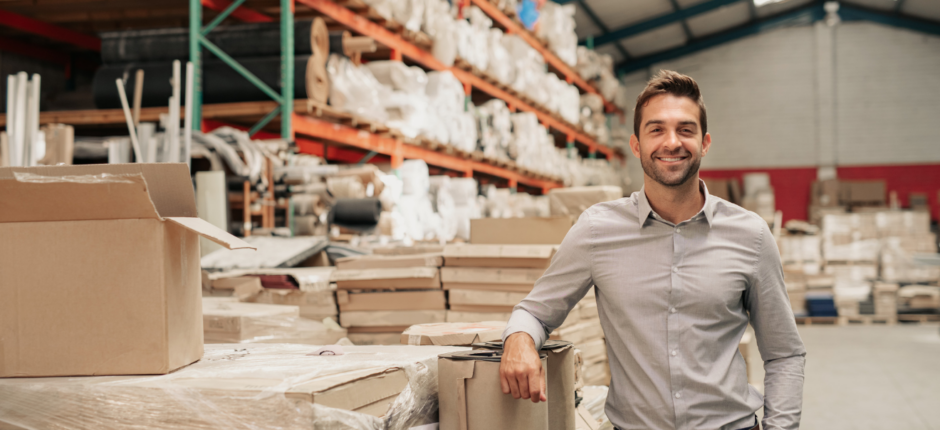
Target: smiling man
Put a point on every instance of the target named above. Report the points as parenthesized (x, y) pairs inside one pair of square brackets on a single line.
[(678, 275)]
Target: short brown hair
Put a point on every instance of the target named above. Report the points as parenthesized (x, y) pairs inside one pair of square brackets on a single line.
[(670, 82)]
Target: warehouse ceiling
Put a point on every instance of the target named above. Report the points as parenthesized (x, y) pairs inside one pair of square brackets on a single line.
[(639, 33)]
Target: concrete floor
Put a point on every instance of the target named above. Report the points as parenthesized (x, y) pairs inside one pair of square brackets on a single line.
[(871, 377)]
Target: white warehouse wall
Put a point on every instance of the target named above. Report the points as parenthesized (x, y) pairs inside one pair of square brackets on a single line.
[(802, 96)]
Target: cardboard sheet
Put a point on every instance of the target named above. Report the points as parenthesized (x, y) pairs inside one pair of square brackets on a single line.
[(453, 334), (391, 300), (488, 298), (471, 317), (409, 278), (516, 256), (389, 318), (389, 261)]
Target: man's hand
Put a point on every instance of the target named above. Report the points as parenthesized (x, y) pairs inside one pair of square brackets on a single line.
[(520, 370)]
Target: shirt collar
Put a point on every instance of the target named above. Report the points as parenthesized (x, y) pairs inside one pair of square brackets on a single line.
[(644, 210)]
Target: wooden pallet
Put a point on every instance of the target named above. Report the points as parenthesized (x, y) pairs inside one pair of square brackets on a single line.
[(918, 318), (868, 320), (817, 320)]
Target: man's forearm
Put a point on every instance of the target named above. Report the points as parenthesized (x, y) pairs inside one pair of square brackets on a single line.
[(783, 393), (523, 321)]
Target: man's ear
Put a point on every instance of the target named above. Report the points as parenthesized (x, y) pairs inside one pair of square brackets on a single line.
[(706, 143), (635, 145)]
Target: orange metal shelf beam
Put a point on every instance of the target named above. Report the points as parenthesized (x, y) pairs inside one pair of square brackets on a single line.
[(512, 27), (366, 27), (397, 150)]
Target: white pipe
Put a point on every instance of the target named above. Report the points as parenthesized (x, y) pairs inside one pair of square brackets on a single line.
[(173, 129), (11, 120), (188, 119), (129, 119), (33, 153), (19, 142)]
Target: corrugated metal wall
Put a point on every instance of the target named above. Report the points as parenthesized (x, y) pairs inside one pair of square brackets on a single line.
[(866, 94)]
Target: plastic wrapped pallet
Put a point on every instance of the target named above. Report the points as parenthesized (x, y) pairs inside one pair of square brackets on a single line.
[(243, 386), (229, 321)]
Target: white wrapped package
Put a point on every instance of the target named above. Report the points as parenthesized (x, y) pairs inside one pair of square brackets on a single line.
[(500, 64), (398, 76), (414, 177), (408, 113), (355, 90), (445, 91), (243, 387), (439, 25), (409, 13), (480, 24), (556, 26)]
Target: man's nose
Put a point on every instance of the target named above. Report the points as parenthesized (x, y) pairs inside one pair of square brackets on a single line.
[(672, 142)]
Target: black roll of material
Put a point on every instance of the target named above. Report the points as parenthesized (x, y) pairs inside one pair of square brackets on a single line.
[(241, 40), (220, 83), (356, 212)]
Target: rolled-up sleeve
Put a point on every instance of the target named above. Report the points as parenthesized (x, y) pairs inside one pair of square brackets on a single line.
[(559, 289), (777, 339)]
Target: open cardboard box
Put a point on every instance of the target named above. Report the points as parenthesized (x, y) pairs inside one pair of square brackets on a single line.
[(100, 270)]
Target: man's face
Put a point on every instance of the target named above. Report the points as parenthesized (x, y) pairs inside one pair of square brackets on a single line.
[(670, 145)]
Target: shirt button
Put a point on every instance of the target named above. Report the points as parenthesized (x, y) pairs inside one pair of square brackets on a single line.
[(678, 230), (673, 353), (675, 270), (678, 395), (672, 311)]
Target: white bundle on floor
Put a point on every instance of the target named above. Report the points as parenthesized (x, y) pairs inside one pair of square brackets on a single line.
[(355, 90), (556, 26)]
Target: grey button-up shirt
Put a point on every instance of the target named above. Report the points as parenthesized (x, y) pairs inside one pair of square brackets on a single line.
[(674, 302)]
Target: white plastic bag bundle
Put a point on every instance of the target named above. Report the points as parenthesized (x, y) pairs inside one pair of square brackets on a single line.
[(440, 26), (500, 65), (355, 90), (408, 13), (556, 26), (445, 91), (398, 76), (414, 177), (408, 113)]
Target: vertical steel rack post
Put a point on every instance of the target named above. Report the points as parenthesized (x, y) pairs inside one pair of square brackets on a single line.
[(198, 40)]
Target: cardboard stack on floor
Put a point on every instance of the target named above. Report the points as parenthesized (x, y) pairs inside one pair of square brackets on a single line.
[(308, 288), (379, 296), (226, 320), (850, 247)]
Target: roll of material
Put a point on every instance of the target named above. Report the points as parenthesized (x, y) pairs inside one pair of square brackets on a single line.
[(471, 397), (561, 374), (317, 79), (356, 212), (166, 44), (221, 84)]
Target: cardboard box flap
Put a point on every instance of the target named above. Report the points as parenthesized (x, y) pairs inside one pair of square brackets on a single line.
[(169, 184), (30, 197), (211, 232), (378, 274), (354, 389)]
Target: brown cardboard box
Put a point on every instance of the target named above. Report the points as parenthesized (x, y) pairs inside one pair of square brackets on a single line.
[(453, 334), (493, 279), (588, 309), (719, 187), (126, 238), (391, 300), (314, 305), (593, 350), (375, 338), (471, 397), (826, 193), (470, 317), (405, 278), (389, 261), (560, 380), (483, 298), (864, 192), (572, 201), (408, 250), (520, 231), (229, 321), (516, 256), (389, 318)]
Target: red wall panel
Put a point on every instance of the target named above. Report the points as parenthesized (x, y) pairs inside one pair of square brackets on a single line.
[(792, 185)]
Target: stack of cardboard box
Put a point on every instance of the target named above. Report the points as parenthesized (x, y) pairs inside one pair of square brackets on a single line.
[(801, 253), (380, 296), (485, 282), (583, 328), (834, 196), (885, 297), (308, 288), (903, 234), (850, 247)]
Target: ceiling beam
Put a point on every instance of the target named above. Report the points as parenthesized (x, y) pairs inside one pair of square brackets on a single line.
[(685, 24), (49, 31), (855, 13), (600, 24), (669, 18), (806, 14), (241, 13)]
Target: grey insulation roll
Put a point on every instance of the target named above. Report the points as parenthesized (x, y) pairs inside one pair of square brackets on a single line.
[(241, 40), (220, 83), (352, 212)]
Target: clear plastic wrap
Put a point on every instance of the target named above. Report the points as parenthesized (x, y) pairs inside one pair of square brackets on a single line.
[(355, 90), (398, 76), (228, 321), (556, 26), (272, 386)]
